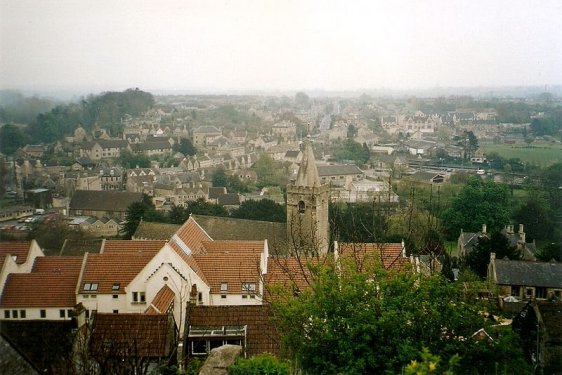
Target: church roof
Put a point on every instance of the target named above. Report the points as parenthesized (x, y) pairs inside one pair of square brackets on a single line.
[(308, 173)]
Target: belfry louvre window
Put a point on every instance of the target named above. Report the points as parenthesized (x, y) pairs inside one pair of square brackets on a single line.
[(203, 339)]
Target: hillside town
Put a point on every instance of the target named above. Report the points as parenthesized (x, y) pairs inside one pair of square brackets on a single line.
[(142, 242)]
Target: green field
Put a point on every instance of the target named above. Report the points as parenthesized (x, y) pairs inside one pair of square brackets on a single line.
[(542, 155)]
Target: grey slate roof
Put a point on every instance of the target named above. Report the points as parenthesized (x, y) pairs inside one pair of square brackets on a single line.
[(225, 228), (538, 274), (337, 170), (155, 231), (115, 201)]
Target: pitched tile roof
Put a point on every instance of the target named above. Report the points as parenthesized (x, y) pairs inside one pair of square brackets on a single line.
[(138, 335), (111, 201), (261, 335), (232, 262), (290, 272), (387, 254), (119, 263), (155, 231), (19, 249), (162, 301), (126, 246), (52, 283)]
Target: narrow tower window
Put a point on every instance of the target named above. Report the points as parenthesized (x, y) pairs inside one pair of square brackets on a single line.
[(301, 207)]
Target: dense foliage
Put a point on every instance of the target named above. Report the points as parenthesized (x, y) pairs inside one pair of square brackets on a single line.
[(479, 202), (105, 110), (263, 364), (265, 209), (377, 322)]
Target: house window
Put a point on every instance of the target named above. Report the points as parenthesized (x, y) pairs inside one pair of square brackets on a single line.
[(115, 296), (15, 314), (6, 314), (22, 314), (515, 290), (540, 293), (200, 297), (139, 297), (248, 287), (223, 296), (116, 311), (62, 313), (558, 294), (87, 314), (224, 287), (69, 313), (529, 292), (43, 313), (91, 287)]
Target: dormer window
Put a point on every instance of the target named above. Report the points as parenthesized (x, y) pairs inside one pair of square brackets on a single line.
[(116, 286), (91, 287), (248, 287), (224, 287)]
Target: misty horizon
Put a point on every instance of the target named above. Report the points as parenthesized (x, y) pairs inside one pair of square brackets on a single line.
[(248, 46)]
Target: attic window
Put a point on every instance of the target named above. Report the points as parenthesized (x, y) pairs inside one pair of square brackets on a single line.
[(92, 287), (116, 286), (224, 287), (248, 287)]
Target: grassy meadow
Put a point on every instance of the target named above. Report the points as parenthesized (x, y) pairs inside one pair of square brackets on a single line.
[(542, 155)]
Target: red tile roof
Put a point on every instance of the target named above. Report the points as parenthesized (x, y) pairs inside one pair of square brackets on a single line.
[(120, 263), (20, 249), (135, 335), (368, 254), (162, 301), (126, 246), (52, 283), (290, 272), (232, 262), (190, 235)]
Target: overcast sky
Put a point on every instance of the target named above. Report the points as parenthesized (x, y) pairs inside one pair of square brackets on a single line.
[(278, 44)]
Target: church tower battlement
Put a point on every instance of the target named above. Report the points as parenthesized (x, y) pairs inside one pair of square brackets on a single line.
[(307, 207)]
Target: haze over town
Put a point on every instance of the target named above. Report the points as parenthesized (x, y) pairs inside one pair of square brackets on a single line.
[(242, 46)]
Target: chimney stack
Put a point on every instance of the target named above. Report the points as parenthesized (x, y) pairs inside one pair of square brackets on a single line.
[(484, 228), (521, 233)]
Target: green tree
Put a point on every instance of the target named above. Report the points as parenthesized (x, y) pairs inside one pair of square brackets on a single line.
[(537, 218), (265, 210), (138, 211), (543, 126), (269, 172), (11, 139), (374, 322), (220, 179), (201, 207), (129, 160), (479, 202), (351, 150), (479, 258), (550, 251), (185, 147)]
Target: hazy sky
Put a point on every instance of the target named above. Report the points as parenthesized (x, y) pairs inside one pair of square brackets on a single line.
[(278, 44)]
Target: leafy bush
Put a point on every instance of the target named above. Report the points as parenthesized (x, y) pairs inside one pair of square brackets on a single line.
[(263, 364)]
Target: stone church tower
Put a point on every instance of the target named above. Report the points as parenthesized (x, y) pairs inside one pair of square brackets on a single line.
[(307, 207)]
